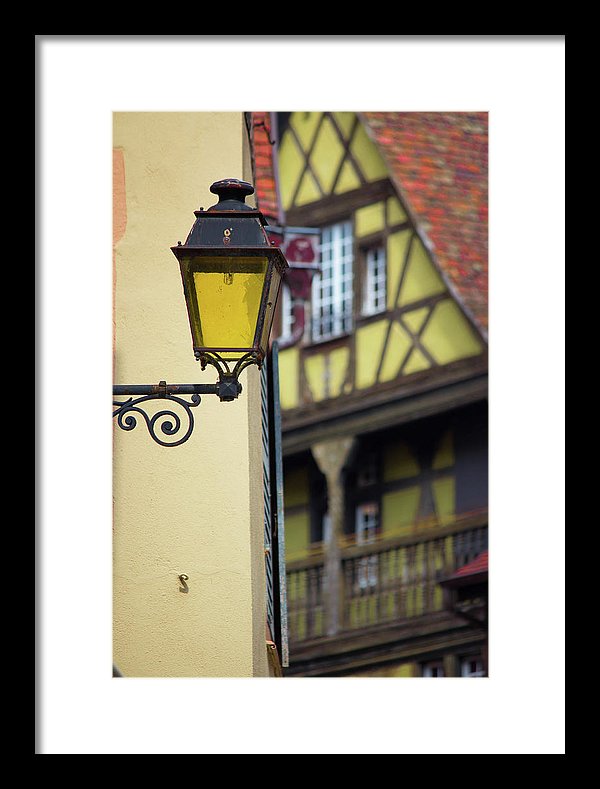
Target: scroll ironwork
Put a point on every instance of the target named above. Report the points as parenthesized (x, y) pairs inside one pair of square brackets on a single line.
[(167, 420)]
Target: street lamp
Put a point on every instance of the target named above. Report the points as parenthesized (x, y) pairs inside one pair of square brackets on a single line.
[(231, 275)]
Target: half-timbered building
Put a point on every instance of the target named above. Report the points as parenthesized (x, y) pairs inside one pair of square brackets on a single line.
[(382, 335)]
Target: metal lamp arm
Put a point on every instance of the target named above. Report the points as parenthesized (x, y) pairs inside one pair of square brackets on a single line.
[(168, 421)]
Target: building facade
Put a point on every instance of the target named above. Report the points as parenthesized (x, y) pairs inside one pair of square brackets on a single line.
[(383, 385), (190, 578)]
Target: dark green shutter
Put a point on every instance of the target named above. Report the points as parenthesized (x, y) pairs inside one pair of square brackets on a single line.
[(273, 505)]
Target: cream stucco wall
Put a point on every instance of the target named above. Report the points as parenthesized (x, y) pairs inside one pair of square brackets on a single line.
[(197, 508)]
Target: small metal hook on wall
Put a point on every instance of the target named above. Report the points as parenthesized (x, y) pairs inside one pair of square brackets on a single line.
[(184, 587)]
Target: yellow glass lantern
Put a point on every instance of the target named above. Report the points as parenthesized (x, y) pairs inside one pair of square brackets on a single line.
[(231, 276)]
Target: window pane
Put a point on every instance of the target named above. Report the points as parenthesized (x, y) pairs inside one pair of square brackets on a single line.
[(332, 289), (374, 298), (433, 669), (366, 523), (287, 315), (472, 667)]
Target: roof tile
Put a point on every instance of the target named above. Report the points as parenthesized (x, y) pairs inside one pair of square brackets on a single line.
[(478, 565), (439, 164)]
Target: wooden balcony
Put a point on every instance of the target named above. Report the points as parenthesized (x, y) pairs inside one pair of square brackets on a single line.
[(386, 582)]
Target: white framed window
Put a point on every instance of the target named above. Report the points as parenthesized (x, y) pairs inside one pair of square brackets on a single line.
[(435, 669), (332, 300), (287, 315), (471, 667), (367, 522), (374, 291), (366, 525)]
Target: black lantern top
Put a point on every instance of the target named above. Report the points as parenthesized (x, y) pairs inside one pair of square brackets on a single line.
[(232, 195), (230, 222)]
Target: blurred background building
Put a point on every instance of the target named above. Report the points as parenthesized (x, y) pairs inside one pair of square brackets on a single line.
[(383, 360)]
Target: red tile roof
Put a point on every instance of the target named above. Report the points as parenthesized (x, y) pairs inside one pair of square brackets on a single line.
[(477, 566), (439, 164), (265, 183)]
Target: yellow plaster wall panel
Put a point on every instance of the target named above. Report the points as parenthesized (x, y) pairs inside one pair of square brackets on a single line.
[(338, 369), (297, 535), (444, 454), (291, 167), (448, 335), (422, 278), (444, 496), (119, 219), (309, 191), (417, 361), (305, 125), (345, 121), (368, 157), (399, 462), (403, 670), (369, 347), (415, 318), (348, 179), (314, 370), (399, 510), (397, 244), (165, 522), (398, 345), (119, 196), (369, 219), (295, 487), (395, 213), (326, 155), (406, 670), (289, 370)]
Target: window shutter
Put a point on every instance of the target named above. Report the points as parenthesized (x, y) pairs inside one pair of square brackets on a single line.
[(273, 505)]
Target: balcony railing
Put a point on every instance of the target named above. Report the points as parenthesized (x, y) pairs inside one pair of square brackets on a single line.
[(305, 599), (382, 582)]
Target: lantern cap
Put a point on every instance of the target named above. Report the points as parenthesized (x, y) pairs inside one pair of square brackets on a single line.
[(229, 224), (232, 195)]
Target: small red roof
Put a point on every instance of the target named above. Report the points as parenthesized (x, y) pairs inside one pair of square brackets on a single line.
[(476, 567)]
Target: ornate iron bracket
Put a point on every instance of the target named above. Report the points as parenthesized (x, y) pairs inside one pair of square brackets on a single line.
[(167, 420), (222, 363)]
